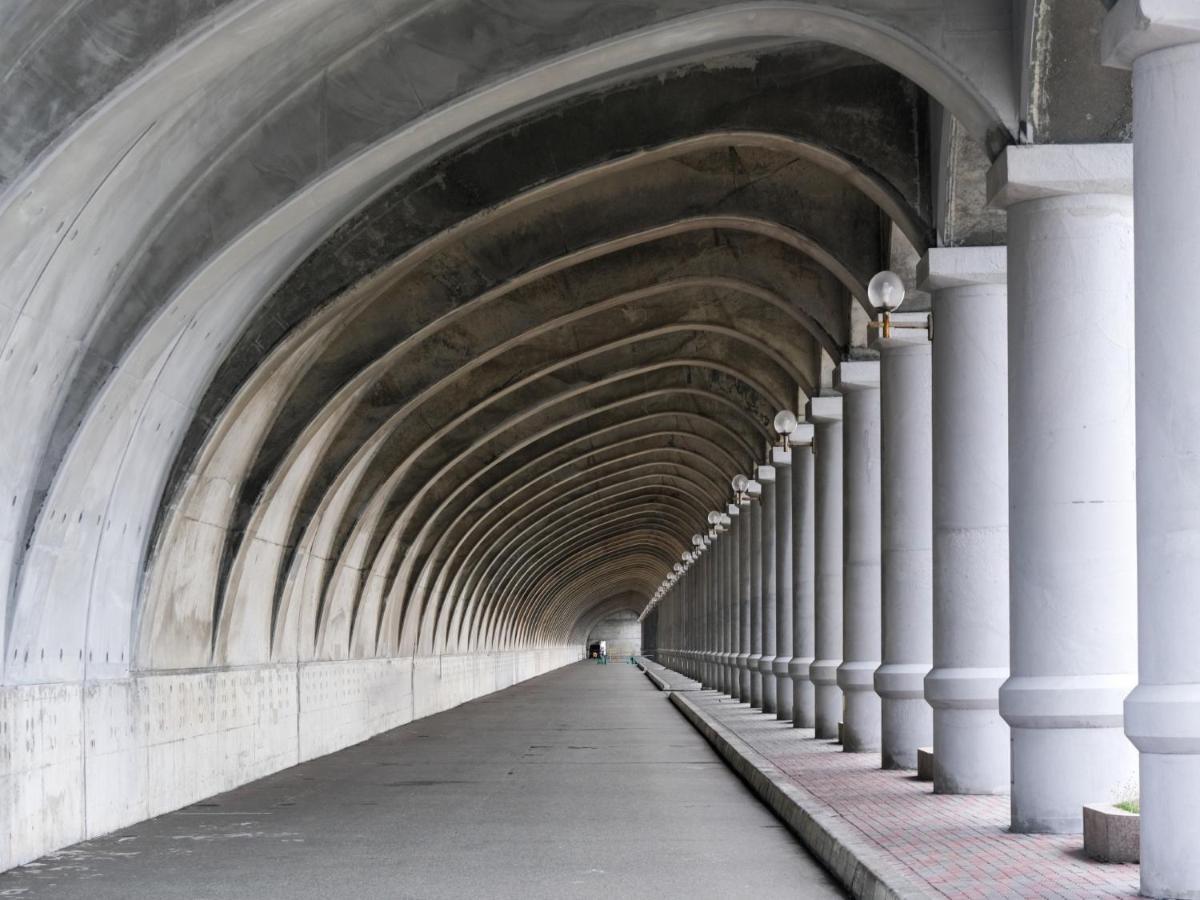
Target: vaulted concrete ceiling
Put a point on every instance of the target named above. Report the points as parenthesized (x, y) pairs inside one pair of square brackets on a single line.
[(365, 329)]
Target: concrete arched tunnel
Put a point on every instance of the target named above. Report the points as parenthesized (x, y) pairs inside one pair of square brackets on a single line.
[(360, 359)]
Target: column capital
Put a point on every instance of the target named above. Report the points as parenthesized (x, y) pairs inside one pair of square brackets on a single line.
[(1134, 28), (953, 267), (733, 509), (906, 345), (857, 375), (1021, 174), (803, 435), (824, 409), (781, 457), (765, 474)]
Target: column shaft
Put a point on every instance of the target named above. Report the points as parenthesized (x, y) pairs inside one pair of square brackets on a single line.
[(745, 553), (803, 589), (756, 604), (1162, 715), (906, 402), (767, 477), (970, 519), (861, 591), (1072, 525), (783, 586), (826, 414)]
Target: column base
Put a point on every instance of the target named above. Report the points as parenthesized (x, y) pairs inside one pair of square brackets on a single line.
[(804, 700), (971, 746), (828, 697), (1170, 824), (756, 685), (1057, 770), (905, 726), (906, 719), (861, 727), (769, 695), (1068, 748), (971, 753), (783, 689), (741, 677)]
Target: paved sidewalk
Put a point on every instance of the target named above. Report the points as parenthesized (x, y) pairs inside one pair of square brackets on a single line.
[(913, 842)]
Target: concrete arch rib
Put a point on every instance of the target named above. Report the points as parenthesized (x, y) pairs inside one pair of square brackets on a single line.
[(403, 568), (446, 473), (544, 409), (820, 329), (523, 591), (491, 531), (367, 523), (293, 231), (435, 438), (361, 383), (585, 444), (551, 539), (479, 552), (623, 559), (639, 483)]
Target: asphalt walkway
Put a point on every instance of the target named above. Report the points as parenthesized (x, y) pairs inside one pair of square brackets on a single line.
[(584, 782)]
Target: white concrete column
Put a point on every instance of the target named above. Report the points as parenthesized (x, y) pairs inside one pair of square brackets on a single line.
[(1161, 42), (826, 415), (688, 597), (970, 518), (781, 460), (767, 478), (731, 600), (745, 538), (1072, 522), (708, 571), (803, 584), (723, 637), (906, 401), (756, 604), (718, 552), (862, 562)]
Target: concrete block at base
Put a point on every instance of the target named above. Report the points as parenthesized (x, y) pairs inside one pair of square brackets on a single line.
[(925, 764), (1111, 834)]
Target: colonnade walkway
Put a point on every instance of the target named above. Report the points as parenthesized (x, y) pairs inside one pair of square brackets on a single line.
[(584, 782), (884, 829)]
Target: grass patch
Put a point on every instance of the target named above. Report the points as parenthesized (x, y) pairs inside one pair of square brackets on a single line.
[(1129, 806)]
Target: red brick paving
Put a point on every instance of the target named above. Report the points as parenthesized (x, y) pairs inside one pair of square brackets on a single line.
[(958, 846)]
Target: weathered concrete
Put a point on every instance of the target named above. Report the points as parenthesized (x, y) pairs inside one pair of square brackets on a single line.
[(970, 519), (1162, 44), (862, 554), (1072, 526), (826, 413), (95, 758), (587, 771)]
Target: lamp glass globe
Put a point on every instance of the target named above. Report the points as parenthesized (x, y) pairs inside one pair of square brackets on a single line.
[(785, 421), (886, 291)]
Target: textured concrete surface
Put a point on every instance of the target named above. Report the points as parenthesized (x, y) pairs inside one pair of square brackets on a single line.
[(882, 831), (580, 783), (85, 760)]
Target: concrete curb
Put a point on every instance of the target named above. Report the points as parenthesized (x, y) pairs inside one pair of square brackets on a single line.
[(657, 682), (662, 683), (861, 867)]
